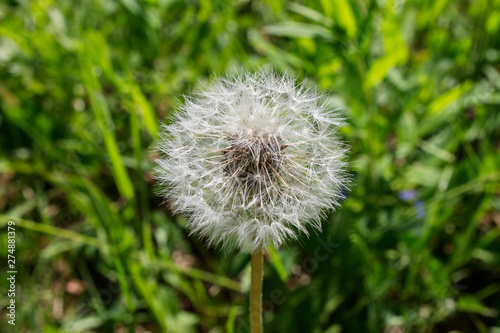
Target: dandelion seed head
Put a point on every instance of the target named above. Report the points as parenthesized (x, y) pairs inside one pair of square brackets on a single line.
[(253, 160)]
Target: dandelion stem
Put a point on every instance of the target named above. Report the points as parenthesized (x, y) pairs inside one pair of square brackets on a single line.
[(256, 293)]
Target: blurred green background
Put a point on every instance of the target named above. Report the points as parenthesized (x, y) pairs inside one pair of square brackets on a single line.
[(85, 84)]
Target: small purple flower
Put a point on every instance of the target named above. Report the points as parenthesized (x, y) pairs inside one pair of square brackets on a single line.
[(419, 209), (407, 195), (410, 195)]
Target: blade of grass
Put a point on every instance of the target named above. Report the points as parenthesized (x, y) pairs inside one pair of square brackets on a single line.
[(146, 111), (146, 216), (99, 52), (103, 117), (87, 240), (278, 264), (50, 230), (231, 319), (147, 288)]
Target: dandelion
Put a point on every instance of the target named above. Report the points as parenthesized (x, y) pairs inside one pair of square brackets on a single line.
[(253, 161)]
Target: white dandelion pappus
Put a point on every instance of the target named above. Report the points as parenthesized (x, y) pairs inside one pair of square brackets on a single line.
[(253, 160)]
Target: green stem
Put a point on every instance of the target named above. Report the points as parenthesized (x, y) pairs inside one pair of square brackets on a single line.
[(256, 293)]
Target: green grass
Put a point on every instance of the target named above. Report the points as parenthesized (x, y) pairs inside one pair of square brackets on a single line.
[(84, 86)]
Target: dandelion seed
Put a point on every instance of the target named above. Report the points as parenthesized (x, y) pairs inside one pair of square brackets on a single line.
[(253, 160)]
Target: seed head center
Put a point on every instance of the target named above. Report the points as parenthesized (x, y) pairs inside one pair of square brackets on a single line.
[(251, 160)]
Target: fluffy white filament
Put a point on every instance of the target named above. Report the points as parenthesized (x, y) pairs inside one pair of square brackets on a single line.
[(253, 160)]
